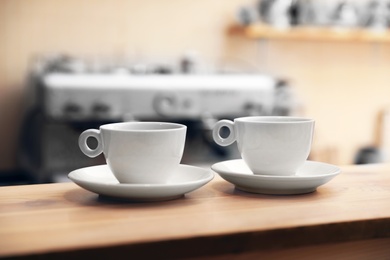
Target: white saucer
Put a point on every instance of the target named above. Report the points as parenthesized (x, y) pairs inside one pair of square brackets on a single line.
[(310, 176), (100, 180)]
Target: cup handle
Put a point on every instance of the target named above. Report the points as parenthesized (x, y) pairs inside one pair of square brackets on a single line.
[(84, 146), (217, 137)]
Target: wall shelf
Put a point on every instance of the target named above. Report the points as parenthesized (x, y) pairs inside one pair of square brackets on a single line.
[(261, 31)]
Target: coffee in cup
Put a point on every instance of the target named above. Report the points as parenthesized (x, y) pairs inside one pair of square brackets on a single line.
[(269, 145), (138, 152)]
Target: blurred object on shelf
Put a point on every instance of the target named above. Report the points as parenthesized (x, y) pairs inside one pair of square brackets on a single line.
[(315, 13), (283, 14), (277, 13), (345, 15), (246, 15), (378, 15)]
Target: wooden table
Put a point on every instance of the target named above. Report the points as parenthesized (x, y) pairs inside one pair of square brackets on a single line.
[(349, 216)]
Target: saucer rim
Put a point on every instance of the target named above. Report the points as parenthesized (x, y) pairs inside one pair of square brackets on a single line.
[(209, 175), (148, 192), (277, 185), (335, 172)]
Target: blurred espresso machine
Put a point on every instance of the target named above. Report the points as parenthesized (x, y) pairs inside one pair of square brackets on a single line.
[(64, 101)]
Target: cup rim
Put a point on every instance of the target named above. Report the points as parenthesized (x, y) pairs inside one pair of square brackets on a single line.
[(142, 126), (274, 119)]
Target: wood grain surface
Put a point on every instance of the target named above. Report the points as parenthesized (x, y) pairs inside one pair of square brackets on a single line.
[(63, 220)]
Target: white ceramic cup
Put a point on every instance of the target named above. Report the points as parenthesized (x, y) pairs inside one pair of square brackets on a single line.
[(269, 145), (138, 152)]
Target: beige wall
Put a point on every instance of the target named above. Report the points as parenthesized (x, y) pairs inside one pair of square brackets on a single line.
[(343, 85)]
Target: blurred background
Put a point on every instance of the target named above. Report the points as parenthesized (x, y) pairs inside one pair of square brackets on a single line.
[(66, 66)]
